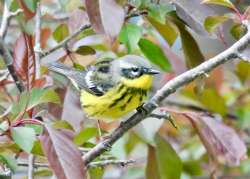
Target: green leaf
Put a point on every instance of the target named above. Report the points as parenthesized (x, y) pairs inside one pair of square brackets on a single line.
[(159, 11), (155, 54), (192, 167), (85, 50), (237, 31), (225, 3), (192, 57), (37, 148), (43, 173), (212, 22), (39, 96), (167, 30), (24, 137), (96, 173), (243, 71), (9, 160), (130, 36), (170, 165), (85, 135), (31, 4), (62, 124), (61, 32), (213, 101)]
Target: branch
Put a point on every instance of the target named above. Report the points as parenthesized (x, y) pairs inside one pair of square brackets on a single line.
[(8, 60), (66, 40), (7, 15), (37, 47), (119, 163), (103, 163), (82, 28), (169, 88), (31, 162)]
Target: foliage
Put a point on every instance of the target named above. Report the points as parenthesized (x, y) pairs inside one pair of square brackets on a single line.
[(46, 119)]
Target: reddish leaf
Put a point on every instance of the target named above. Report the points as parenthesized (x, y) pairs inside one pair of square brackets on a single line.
[(103, 14), (27, 12), (221, 141), (111, 12), (45, 34), (43, 82), (63, 156), (24, 59), (92, 7), (74, 23)]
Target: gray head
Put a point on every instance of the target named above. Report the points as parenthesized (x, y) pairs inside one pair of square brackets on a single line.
[(132, 66)]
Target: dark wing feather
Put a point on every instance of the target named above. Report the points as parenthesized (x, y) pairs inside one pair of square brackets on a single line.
[(76, 76)]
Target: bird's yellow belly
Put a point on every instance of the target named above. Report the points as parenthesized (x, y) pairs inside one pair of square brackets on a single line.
[(114, 104)]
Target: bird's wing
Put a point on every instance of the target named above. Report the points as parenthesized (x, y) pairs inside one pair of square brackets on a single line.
[(77, 77)]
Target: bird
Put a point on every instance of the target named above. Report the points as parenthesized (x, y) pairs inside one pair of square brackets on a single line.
[(111, 88)]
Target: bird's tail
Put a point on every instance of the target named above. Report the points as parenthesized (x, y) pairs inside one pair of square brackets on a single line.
[(77, 77), (60, 68)]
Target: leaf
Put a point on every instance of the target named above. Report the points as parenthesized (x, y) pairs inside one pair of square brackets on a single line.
[(152, 171), (24, 59), (130, 36), (192, 167), (103, 14), (28, 7), (221, 142), (225, 3), (61, 32), (96, 173), (192, 57), (85, 135), (39, 96), (63, 156), (237, 31), (155, 54), (45, 34), (167, 30), (24, 137), (212, 22), (213, 101), (170, 165), (43, 173), (187, 11), (92, 8), (159, 11), (9, 160), (62, 124), (112, 16), (85, 50), (243, 71), (37, 148)]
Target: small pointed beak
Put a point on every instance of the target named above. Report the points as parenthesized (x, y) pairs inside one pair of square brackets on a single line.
[(151, 71)]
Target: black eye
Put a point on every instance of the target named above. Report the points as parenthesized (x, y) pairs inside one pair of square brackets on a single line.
[(104, 69), (135, 70)]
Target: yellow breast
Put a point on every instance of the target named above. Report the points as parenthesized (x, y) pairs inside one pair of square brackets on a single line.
[(119, 101)]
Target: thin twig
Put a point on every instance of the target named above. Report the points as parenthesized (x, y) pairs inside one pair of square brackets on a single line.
[(37, 47), (66, 40), (118, 163), (7, 15), (103, 163), (31, 162), (63, 43), (169, 88)]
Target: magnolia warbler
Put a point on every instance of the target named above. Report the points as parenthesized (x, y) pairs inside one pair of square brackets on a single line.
[(111, 88)]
